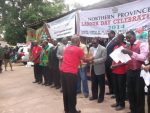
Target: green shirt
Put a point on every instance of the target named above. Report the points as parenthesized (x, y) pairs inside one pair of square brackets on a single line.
[(44, 56)]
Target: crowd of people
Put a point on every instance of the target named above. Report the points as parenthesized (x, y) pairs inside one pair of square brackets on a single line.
[(64, 66)]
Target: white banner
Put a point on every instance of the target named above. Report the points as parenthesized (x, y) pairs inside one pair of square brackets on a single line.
[(134, 15), (62, 27)]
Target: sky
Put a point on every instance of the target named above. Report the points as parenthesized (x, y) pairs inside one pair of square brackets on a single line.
[(82, 2)]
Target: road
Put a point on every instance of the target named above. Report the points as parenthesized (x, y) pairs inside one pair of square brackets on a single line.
[(19, 95)]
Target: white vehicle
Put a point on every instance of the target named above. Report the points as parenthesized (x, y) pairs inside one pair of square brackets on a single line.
[(23, 54)]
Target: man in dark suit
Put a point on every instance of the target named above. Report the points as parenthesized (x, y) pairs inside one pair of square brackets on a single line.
[(55, 65), (110, 46)]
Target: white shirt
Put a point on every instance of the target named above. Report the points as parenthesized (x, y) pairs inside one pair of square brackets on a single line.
[(94, 51), (50, 45)]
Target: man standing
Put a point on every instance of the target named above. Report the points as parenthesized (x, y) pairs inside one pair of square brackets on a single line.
[(82, 73), (1, 57), (44, 63), (36, 59), (60, 52), (50, 42), (69, 68), (7, 56), (54, 62), (119, 77), (135, 84), (110, 46), (99, 55)]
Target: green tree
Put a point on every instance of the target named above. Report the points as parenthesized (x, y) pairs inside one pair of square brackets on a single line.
[(16, 14)]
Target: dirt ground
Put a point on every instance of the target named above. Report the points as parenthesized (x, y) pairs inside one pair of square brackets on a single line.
[(19, 95)]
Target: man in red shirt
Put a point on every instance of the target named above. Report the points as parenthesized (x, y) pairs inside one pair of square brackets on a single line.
[(69, 68), (119, 77), (36, 58)]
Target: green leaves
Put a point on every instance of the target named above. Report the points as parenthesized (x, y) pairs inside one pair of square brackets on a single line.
[(18, 13)]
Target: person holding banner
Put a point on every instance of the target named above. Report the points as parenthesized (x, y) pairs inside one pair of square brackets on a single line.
[(135, 84)]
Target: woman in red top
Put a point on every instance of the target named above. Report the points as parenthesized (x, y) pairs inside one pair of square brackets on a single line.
[(119, 77)]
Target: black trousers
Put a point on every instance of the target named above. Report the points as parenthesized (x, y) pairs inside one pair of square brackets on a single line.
[(37, 73), (46, 75), (1, 62), (56, 77), (69, 85), (148, 99), (51, 75), (109, 76), (135, 86), (98, 80), (119, 81)]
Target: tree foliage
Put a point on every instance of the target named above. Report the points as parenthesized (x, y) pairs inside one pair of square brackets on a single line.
[(16, 14)]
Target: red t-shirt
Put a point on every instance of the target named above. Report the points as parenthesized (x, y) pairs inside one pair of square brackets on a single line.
[(35, 52), (121, 69), (71, 59)]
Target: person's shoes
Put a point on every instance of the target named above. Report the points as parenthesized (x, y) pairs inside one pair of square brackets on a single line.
[(58, 87), (61, 90), (78, 111), (40, 82), (113, 97), (35, 82), (43, 83), (92, 98), (66, 112), (109, 93), (114, 105), (47, 84), (118, 108), (52, 86), (100, 100), (86, 95)]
